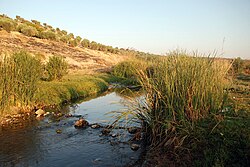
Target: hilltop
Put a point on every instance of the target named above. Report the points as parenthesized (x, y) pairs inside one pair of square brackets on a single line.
[(77, 57), (44, 41)]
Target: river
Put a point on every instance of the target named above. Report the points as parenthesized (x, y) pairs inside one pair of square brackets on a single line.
[(54, 141)]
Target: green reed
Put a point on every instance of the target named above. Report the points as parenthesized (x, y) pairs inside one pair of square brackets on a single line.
[(20, 73)]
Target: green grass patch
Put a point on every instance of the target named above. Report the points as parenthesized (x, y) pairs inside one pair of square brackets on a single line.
[(71, 87)]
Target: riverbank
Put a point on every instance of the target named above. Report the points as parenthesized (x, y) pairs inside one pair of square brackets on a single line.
[(56, 93)]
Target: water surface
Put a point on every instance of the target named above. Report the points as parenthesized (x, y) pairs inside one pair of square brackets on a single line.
[(37, 143)]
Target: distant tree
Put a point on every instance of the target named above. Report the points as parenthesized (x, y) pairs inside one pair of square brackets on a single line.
[(73, 43), (64, 32), (71, 35), (238, 65), (29, 31), (7, 24), (85, 43), (36, 22), (94, 45), (65, 39), (78, 39), (47, 35)]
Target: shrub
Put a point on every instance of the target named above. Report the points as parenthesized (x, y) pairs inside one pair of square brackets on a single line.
[(126, 69), (48, 35), (73, 43), (237, 65), (7, 24), (56, 68), (65, 39), (78, 39), (85, 43), (29, 31)]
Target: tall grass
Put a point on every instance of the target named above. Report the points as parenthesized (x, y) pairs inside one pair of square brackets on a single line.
[(180, 89), (20, 74), (56, 68)]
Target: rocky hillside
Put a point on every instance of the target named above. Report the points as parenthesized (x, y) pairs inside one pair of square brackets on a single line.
[(77, 57)]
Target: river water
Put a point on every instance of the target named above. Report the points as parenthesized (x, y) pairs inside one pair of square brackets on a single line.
[(54, 141)]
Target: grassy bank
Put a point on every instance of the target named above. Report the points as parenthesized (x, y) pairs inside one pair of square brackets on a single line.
[(71, 87), (192, 113)]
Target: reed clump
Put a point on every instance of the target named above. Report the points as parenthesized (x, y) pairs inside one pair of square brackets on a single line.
[(180, 89), (56, 68), (20, 73)]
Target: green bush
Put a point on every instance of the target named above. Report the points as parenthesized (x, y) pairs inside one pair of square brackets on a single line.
[(85, 43), (126, 69), (7, 24), (237, 65), (29, 31), (47, 35), (56, 68), (65, 39), (73, 43)]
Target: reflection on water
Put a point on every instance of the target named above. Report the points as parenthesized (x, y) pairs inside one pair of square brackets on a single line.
[(37, 143)]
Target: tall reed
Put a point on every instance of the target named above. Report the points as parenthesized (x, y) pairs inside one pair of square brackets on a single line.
[(180, 89), (20, 74)]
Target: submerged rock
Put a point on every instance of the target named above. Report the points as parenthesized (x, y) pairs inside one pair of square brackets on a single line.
[(95, 126), (133, 130), (68, 115), (135, 147), (40, 112), (106, 131), (81, 123), (58, 131), (137, 136)]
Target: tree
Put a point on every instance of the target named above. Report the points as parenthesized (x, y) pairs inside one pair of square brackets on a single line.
[(85, 43), (238, 65)]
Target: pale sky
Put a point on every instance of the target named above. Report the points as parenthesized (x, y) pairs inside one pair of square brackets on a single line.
[(155, 26)]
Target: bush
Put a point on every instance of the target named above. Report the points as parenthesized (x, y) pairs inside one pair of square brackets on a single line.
[(126, 69), (7, 24), (56, 68), (73, 43), (85, 43), (48, 35), (29, 31), (65, 39), (237, 65)]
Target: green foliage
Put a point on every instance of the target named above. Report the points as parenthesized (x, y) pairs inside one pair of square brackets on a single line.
[(73, 43), (20, 74), (47, 35), (7, 24), (71, 87), (28, 31), (64, 32), (78, 39), (56, 68), (237, 65), (126, 69), (85, 43), (65, 39)]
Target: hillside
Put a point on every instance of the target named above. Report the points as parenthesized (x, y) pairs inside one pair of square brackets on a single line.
[(77, 57)]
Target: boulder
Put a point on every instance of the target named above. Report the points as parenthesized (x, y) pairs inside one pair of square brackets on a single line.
[(81, 123)]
